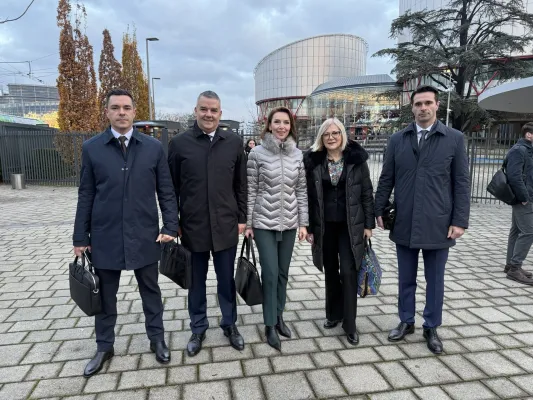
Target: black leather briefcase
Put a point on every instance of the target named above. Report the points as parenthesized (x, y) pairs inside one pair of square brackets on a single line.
[(85, 286), (176, 264)]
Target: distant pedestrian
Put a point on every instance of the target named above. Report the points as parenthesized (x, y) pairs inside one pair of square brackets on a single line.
[(519, 169), (250, 144)]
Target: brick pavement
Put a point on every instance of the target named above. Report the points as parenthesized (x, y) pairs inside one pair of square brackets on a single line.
[(45, 340)]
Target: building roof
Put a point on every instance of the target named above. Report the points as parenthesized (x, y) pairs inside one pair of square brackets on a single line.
[(306, 39), (509, 97), (355, 81)]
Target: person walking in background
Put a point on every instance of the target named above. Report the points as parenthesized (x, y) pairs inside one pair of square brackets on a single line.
[(427, 166), (341, 216), (117, 221), (277, 208), (519, 169), (208, 169), (250, 144)]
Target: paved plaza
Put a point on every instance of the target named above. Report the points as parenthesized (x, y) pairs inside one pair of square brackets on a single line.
[(45, 340)]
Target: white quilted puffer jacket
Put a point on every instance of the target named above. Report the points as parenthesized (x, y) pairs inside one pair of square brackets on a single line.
[(277, 188)]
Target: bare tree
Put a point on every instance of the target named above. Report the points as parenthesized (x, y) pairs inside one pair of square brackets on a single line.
[(20, 16), (182, 118)]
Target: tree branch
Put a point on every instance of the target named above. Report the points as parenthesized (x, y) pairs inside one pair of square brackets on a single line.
[(20, 16)]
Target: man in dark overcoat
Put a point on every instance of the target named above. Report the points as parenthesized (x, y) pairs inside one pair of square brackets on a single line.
[(427, 166), (117, 220), (208, 167)]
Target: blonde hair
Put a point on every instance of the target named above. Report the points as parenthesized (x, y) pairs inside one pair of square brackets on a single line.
[(319, 144)]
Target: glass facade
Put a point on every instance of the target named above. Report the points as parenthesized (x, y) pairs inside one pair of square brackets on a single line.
[(288, 75), (22, 99), (359, 107)]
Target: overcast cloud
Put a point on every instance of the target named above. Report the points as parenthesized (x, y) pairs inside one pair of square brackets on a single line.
[(204, 44)]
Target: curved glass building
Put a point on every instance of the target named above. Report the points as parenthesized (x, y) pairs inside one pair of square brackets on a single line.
[(358, 102), (286, 76)]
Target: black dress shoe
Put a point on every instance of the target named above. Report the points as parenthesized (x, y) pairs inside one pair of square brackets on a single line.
[(353, 338), (433, 341), (400, 331), (282, 328), (331, 324), (195, 344), (162, 353), (272, 337), (235, 338), (95, 365)]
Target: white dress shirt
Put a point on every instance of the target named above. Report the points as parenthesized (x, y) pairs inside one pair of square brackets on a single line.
[(211, 135), (419, 130), (128, 135)]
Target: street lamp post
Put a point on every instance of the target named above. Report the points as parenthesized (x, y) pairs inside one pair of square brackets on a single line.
[(449, 90), (152, 39), (153, 94)]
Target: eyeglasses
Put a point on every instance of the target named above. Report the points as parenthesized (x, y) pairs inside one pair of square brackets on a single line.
[(334, 135)]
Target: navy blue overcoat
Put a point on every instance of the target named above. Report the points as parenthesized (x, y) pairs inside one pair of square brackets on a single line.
[(431, 186), (117, 205)]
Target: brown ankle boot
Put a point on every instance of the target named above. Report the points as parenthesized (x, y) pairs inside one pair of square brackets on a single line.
[(518, 275)]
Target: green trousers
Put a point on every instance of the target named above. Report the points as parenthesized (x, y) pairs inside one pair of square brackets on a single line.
[(275, 253)]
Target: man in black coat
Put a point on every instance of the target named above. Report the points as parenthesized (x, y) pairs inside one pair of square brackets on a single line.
[(117, 221), (427, 166), (208, 167), (519, 169)]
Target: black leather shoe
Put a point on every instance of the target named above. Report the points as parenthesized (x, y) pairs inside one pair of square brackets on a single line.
[(282, 328), (331, 324), (400, 331), (235, 338), (95, 365), (195, 344), (272, 337), (433, 341), (162, 353), (353, 338)]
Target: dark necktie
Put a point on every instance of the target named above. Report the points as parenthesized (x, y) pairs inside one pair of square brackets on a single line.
[(122, 139), (422, 138)]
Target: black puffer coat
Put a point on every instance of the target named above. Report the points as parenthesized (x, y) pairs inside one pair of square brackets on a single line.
[(359, 199)]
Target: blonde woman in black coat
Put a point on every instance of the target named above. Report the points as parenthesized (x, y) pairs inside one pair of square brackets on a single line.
[(341, 214)]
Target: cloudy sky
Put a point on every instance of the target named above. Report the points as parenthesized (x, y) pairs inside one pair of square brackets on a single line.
[(204, 44)]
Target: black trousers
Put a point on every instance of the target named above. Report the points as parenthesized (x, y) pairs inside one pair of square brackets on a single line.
[(341, 280), (224, 262), (151, 301)]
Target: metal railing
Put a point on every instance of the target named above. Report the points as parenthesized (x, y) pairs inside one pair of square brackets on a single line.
[(50, 157), (47, 157)]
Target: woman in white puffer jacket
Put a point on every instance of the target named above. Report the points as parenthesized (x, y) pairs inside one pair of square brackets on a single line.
[(277, 208)]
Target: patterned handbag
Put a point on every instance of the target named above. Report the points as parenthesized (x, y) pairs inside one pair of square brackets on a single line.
[(369, 275)]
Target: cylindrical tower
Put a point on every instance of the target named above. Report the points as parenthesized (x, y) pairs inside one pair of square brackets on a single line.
[(289, 74)]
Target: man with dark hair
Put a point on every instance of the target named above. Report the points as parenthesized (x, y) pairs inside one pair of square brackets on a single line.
[(519, 169), (425, 89), (427, 166), (117, 221), (208, 167)]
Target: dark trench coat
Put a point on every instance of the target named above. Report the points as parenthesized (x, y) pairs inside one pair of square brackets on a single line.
[(117, 208), (359, 199), (431, 186), (210, 183)]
